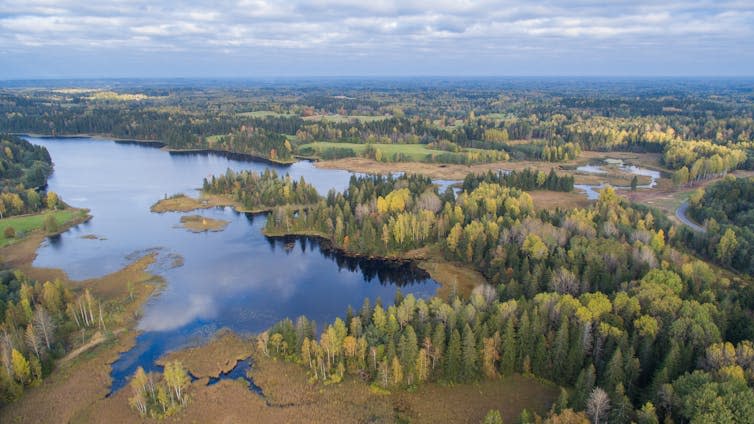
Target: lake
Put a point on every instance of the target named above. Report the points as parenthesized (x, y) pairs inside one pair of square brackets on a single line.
[(236, 278)]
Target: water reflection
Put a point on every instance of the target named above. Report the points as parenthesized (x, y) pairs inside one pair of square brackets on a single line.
[(236, 278)]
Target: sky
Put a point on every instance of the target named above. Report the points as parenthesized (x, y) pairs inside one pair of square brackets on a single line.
[(261, 38)]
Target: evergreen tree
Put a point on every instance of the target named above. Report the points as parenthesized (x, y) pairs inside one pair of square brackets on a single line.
[(453, 357), (470, 354), (583, 388), (508, 361)]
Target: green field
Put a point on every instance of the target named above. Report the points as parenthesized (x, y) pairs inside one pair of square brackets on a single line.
[(347, 118), (409, 152), (264, 114), (415, 152), (212, 139), (28, 223)]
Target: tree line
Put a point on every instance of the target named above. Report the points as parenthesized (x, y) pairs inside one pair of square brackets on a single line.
[(726, 210), (261, 191), (527, 179), (597, 300), (24, 169), (686, 124)]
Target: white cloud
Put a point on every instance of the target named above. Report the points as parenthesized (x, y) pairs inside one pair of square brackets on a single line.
[(374, 28)]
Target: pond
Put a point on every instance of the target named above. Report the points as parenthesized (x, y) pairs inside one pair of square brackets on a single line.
[(592, 191), (236, 278)]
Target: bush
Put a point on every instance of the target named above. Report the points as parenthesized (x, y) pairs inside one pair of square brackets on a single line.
[(9, 232), (51, 224)]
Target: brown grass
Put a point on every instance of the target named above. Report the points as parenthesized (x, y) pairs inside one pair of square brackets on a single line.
[(200, 224), (182, 203), (83, 379), (115, 286), (217, 356), (459, 172), (452, 277), (20, 256), (76, 393), (72, 387), (469, 403), (433, 170)]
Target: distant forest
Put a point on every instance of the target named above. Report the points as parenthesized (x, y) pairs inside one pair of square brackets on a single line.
[(703, 129)]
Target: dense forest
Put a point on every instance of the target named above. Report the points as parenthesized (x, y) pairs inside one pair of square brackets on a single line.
[(261, 191), (526, 179), (727, 210), (24, 169), (702, 129), (23, 164), (598, 300)]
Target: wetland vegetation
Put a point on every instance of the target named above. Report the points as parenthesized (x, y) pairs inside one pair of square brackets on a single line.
[(457, 272)]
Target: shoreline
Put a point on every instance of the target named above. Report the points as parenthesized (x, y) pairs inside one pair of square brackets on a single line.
[(182, 203), (445, 273), (438, 171), (160, 144), (81, 215), (442, 271), (230, 155)]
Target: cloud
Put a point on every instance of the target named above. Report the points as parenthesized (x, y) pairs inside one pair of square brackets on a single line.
[(298, 32)]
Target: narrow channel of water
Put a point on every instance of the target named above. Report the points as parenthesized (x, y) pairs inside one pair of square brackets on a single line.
[(592, 191), (239, 371)]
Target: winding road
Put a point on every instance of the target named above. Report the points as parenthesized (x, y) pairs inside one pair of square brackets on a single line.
[(680, 213)]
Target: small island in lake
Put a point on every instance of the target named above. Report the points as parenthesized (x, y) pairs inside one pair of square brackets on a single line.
[(182, 203), (200, 224)]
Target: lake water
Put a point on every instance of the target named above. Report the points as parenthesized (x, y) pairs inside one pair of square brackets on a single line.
[(236, 278)]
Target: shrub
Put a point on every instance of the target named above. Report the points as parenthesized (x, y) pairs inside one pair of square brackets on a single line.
[(50, 224)]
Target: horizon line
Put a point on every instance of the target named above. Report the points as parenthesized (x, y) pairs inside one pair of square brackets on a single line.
[(371, 77)]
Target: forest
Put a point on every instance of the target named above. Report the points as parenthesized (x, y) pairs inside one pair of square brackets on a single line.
[(526, 179), (603, 301), (612, 302), (24, 169), (261, 191), (726, 208), (701, 129), (41, 321)]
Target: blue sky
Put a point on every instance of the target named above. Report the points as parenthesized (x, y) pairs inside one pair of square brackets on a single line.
[(258, 38)]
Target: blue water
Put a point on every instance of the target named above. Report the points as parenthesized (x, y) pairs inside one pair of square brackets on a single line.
[(239, 371), (236, 278)]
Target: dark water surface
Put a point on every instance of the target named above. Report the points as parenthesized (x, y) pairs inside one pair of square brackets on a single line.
[(236, 278)]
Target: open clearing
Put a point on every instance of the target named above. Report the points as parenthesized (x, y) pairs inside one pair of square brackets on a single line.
[(25, 224), (459, 172), (265, 114), (346, 118), (415, 152)]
